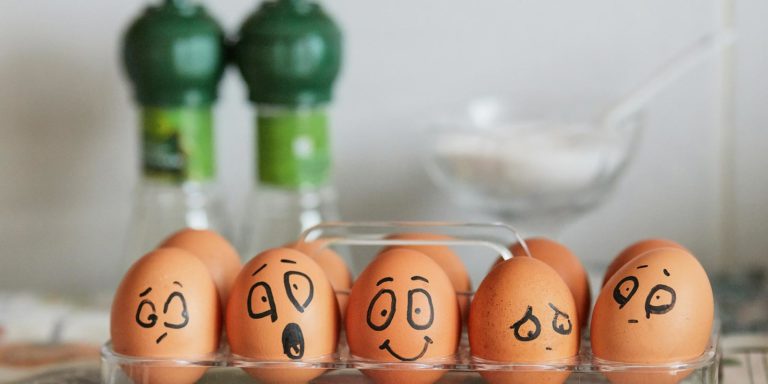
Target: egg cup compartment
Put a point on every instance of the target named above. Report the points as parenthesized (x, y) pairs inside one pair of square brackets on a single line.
[(343, 367), (463, 368)]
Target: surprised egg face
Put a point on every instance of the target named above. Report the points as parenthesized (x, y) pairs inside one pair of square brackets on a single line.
[(282, 307)]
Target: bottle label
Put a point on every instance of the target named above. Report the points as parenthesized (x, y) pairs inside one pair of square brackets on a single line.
[(177, 144), (293, 149)]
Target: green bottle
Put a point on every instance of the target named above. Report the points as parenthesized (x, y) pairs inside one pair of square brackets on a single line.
[(173, 54), (289, 53)]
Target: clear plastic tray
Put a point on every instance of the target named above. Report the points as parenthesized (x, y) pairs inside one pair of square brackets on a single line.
[(224, 367)]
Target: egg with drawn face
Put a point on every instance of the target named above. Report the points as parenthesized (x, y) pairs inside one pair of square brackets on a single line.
[(282, 307), (403, 308), (166, 307), (658, 308), (523, 312)]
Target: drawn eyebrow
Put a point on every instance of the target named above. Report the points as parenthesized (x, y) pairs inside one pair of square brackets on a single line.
[(146, 292), (287, 261), (666, 272), (179, 284), (420, 278), (259, 270), (642, 266), (384, 280)]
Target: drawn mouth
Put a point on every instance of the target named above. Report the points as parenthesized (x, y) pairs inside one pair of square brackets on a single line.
[(293, 341), (427, 342), (159, 339)]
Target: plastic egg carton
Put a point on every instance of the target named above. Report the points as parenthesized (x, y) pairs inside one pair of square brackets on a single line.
[(343, 367)]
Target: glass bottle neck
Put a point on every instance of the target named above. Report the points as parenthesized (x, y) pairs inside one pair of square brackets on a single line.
[(177, 145), (293, 147)]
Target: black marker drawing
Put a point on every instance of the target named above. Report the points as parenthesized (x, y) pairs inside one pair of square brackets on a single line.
[(263, 297), (385, 301), (384, 280), (632, 321), (666, 272), (642, 266), (287, 261), (152, 318), (385, 346), (293, 341), (664, 303), (259, 270), (561, 329), (184, 313), (179, 284), (415, 321), (294, 280), (424, 279), (531, 335), (624, 290)]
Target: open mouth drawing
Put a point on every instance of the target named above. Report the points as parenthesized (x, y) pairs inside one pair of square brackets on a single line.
[(293, 341), (385, 346)]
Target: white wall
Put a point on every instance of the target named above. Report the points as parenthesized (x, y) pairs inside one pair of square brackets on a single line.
[(68, 148)]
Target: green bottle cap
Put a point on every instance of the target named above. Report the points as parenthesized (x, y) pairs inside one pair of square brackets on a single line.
[(289, 52), (174, 55)]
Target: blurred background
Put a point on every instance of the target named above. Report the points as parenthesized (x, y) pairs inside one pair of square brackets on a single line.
[(69, 138)]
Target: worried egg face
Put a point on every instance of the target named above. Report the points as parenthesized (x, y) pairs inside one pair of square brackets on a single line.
[(657, 308), (403, 308), (523, 312), (282, 307), (166, 306)]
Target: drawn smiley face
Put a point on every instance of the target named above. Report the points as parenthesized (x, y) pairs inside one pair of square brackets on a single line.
[(282, 307), (175, 313), (403, 308)]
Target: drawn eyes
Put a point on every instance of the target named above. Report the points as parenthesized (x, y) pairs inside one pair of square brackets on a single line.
[(624, 290), (660, 300), (381, 311), (420, 311), (261, 303), (174, 309), (299, 288), (529, 327), (145, 314)]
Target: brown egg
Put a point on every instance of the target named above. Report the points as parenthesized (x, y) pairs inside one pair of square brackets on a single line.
[(446, 259), (282, 308), (214, 251), (657, 308), (567, 265), (635, 250), (166, 306), (332, 264), (403, 308), (523, 312)]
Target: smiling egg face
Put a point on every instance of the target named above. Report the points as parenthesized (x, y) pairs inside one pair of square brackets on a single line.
[(657, 308), (282, 307), (403, 308), (523, 312), (166, 306)]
